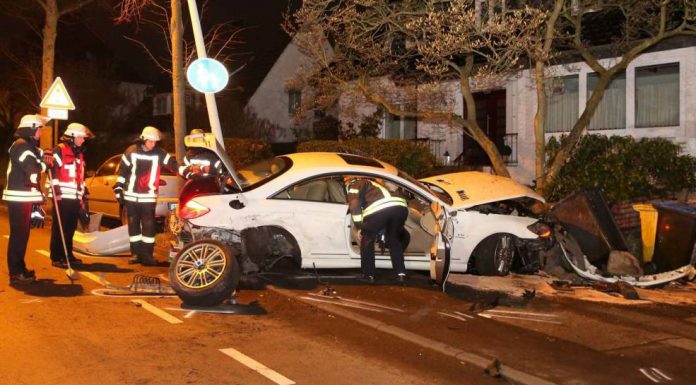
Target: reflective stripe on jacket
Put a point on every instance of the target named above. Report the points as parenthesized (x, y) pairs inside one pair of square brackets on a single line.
[(139, 173), (366, 197), (68, 173), (23, 171)]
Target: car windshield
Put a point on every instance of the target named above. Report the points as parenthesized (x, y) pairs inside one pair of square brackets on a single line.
[(258, 173), (443, 196)]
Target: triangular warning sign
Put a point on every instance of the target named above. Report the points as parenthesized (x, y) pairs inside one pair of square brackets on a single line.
[(57, 97)]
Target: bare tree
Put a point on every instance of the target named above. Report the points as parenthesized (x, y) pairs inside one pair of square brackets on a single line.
[(221, 41), (410, 43), (643, 25), (52, 12)]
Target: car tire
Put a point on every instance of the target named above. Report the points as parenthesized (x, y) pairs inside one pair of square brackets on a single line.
[(495, 254), (204, 273)]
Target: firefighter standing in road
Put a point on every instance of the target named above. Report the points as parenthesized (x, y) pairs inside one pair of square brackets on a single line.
[(68, 172), (136, 188), (374, 208), (22, 193), (200, 162)]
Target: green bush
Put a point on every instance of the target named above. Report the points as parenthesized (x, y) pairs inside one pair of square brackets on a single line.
[(244, 151), (415, 159), (625, 168)]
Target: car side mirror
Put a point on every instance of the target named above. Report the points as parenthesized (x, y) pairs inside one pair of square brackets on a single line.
[(90, 173)]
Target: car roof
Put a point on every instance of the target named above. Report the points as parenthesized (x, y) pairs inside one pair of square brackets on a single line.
[(305, 161)]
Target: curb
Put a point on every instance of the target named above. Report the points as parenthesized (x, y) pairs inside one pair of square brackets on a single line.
[(440, 347)]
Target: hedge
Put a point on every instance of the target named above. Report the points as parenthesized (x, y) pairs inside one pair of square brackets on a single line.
[(409, 156), (625, 168), (242, 151)]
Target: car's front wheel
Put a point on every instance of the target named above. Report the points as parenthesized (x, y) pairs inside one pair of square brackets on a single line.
[(495, 254), (204, 273)]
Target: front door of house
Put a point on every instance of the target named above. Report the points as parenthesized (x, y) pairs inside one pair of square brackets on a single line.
[(490, 116)]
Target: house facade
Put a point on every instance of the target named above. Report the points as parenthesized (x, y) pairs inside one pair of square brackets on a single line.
[(652, 98)]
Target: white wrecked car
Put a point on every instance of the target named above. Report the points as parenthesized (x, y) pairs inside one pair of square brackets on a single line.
[(294, 206)]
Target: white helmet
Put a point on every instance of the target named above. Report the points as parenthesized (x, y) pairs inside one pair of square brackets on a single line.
[(33, 121), (151, 133), (77, 130)]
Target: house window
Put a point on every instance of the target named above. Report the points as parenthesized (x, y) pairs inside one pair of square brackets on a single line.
[(562, 103), (611, 111), (162, 104), (399, 127), (294, 101), (657, 95)]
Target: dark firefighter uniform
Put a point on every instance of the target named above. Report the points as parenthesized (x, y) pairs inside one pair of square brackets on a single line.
[(200, 162), (22, 194), (137, 186), (374, 208), (68, 174)]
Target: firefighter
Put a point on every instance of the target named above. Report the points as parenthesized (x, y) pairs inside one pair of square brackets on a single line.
[(136, 188), (67, 166), (23, 195), (374, 209), (199, 162)]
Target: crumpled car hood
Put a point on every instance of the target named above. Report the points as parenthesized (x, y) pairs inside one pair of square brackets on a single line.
[(472, 188)]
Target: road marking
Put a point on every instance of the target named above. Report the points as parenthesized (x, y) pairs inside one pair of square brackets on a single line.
[(258, 367), (157, 311), (691, 319), (683, 343), (44, 253), (520, 313), (94, 278), (357, 302), (487, 315), (452, 316), (355, 306), (6, 236), (463, 315), (655, 375), (26, 301), (190, 314)]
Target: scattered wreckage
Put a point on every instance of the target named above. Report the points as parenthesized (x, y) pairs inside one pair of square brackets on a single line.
[(293, 207)]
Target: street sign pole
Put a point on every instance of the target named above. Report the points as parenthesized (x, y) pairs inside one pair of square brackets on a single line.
[(210, 102)]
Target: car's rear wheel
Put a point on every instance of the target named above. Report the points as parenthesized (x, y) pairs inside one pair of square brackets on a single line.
[(494, 254), (204, 273)]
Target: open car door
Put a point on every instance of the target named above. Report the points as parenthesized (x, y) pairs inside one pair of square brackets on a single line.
[(440, 249)]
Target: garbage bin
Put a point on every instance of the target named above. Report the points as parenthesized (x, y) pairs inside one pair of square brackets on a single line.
[(648, 228), (676, 235), (586, 216)]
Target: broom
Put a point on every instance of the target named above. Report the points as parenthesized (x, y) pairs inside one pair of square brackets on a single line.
[(72, 274)]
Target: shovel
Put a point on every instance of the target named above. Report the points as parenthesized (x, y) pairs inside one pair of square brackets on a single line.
[(72, 274)]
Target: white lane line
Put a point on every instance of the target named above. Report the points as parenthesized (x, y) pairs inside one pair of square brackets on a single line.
[(157, 311), (452, 316), (486, 315), (666, 377), (94, 278), (682, 343), (463, 315), (646, 374), (44, 253), (6, 236), (356, 306), (358, 302), (26, 301), (190, 314), (520, 313), (258, 367)]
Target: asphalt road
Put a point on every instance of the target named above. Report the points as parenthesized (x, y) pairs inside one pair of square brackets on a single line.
[(284, 331)]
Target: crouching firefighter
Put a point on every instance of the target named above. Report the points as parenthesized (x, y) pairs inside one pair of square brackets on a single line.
[(199, 162), (374, 209), (137, 188), (22, 193), (67, 165)]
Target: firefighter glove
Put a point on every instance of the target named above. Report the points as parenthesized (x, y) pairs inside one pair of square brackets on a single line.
[(118, 191), (83, 214), (48, 157), (37, 216)]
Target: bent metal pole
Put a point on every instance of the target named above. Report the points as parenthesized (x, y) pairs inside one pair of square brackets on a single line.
[(210, 102)]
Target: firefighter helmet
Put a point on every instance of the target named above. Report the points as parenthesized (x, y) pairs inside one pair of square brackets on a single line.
[(197, 131), (151, 133), (29, 124), (77, 130)]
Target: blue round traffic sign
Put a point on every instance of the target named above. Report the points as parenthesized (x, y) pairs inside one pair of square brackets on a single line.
[(207, 75)]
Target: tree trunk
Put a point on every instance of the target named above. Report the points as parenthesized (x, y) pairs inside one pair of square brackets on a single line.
[(569, 144), (178, 79), (479, 136), (539, 121), (50, 31)]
